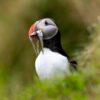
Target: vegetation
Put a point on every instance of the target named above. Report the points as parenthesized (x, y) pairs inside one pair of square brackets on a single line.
[(79, 23)]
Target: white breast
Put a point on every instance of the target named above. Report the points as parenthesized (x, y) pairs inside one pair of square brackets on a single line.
[(51, 64)]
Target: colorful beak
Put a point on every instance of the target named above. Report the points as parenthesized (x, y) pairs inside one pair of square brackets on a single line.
[(36, 37)]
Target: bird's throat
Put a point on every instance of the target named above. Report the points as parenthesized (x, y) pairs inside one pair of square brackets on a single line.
[(54, 44)]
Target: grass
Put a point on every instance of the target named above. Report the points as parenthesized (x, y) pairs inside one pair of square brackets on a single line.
[(71, 87)]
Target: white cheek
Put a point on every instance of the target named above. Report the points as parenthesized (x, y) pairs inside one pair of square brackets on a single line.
[(49, 31)]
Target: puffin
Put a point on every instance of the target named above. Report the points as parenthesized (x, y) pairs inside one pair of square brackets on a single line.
[(51, 60)]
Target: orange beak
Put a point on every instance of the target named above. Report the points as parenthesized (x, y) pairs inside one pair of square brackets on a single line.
[(36, 37)]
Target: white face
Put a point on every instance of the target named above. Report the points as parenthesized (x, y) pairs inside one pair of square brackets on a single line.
[(48, 28), (42, 29)]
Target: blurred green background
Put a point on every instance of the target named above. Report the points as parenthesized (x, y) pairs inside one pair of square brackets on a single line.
[(79, 24)]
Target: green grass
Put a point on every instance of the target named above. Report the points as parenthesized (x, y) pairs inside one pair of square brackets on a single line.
[(71, 87)]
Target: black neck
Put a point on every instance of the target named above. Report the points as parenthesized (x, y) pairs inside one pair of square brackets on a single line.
[(54, 44)]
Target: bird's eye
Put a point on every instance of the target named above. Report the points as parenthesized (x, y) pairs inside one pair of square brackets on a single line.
[(46, 23)]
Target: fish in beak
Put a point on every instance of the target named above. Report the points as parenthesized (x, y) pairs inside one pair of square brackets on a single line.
[(36, 37)]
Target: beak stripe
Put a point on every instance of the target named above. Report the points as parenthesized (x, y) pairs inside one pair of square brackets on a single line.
[(31, 30)]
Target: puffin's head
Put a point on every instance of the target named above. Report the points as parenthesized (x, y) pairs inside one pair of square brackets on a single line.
[(43, 29)]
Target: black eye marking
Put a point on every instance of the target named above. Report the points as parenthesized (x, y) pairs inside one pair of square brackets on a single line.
[(46, 23)]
